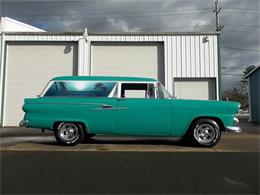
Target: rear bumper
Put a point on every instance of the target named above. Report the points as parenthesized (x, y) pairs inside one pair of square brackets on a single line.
[(234, 128), (23, 123)]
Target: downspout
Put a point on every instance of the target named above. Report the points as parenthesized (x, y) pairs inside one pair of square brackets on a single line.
[(219, 69), (2, 77)]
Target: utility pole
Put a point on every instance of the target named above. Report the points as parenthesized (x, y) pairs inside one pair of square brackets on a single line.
[(219, 27)]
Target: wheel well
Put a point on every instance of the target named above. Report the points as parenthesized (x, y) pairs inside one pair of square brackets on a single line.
[(219, 122), (57, 123)]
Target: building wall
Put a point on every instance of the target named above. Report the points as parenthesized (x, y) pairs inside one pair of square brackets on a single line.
[(255, 96), (186, 56), (189, 55)]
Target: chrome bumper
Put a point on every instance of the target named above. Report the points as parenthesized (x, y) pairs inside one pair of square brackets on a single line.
[(23, 123), (234, 128)]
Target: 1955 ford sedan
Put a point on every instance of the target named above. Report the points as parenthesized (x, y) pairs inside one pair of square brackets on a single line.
[(77, 108)]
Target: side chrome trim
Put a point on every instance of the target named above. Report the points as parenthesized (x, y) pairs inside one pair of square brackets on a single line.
[(114, 108), (79, 103)]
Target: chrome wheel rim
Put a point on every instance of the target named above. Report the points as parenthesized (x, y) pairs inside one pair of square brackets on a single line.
[(68, 132), (205, 133)]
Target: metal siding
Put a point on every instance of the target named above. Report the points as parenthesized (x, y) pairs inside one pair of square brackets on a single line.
[(202, 58), (179, 58), (207, 62), (183, 57), (175, 65), (29, 67), (13, 37), (188, 52), (211, 57), (192, 57), (174, 55)]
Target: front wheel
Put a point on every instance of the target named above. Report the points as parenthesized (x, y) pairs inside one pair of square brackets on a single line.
[(205, 133), (68, 133)]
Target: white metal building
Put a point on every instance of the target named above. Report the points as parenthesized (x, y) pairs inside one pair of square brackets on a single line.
[(187, 63)]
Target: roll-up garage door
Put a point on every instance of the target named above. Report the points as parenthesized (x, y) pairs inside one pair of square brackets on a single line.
[(128, 59), (29, 66), (202, 89)]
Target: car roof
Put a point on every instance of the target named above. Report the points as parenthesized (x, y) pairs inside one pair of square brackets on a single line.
[(102, 78)]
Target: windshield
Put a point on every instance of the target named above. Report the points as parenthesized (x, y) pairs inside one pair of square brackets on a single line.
[(80, 88)]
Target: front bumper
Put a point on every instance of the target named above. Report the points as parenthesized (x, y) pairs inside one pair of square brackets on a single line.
[(23, 123), (234, 128)]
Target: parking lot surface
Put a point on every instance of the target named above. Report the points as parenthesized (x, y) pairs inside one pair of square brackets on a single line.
[(33, 163), (34, 140)]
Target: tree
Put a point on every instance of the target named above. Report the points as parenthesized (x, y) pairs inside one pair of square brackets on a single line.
[(239, 90), (237, 93), (248, 69)]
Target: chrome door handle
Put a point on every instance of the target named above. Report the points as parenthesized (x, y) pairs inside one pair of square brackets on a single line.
[(105, 106)]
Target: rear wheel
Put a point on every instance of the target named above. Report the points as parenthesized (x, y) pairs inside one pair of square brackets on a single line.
[(204, 132), (69, 133)]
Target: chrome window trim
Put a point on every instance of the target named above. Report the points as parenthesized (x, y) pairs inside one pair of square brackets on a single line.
[(45, 89)]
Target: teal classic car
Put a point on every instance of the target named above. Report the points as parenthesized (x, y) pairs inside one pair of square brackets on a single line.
[(78, 107)]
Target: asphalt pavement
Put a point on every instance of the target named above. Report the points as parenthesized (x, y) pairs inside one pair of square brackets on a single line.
[(33, 163), (26, 139), (27, 172)]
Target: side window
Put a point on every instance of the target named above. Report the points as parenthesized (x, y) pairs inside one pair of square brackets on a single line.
[(137, 90), (162, 93), (52, 91), (80, 89)]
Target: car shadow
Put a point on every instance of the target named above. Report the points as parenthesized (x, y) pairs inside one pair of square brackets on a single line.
[(130, 141)]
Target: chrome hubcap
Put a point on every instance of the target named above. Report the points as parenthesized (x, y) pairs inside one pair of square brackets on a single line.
[(69, 132), (205, 133)]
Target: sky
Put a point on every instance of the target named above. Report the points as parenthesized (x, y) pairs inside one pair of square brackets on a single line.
[(239, 39)]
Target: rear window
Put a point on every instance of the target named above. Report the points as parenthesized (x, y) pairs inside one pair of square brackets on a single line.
[(80, 88)]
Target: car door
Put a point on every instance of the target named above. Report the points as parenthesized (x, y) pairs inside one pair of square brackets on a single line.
[(100, 114), (139, 112)]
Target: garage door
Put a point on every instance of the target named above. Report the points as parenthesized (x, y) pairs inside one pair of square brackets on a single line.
[(202, 89), (128, 59), (29, 67)]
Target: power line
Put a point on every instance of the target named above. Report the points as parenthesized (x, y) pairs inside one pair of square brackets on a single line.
[(243, 25), (172, 28), (230, 74), (242, 49), (228, 68), (116, 13), (126, 16), (251, 35), (234, 31), (246, 10), (239, 12)]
